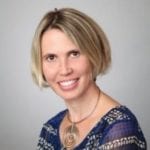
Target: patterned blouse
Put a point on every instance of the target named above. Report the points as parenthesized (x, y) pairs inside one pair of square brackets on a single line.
[(117, 130)]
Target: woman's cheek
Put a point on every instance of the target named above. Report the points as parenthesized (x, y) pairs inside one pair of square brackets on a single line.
[(49, 72)]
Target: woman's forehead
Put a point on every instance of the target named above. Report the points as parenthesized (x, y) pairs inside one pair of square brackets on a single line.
[(55, 40)]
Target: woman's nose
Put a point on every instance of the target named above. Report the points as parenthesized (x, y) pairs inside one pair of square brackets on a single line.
[(65, 68)]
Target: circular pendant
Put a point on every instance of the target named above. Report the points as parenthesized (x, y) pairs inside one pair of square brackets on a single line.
[(71, 135)]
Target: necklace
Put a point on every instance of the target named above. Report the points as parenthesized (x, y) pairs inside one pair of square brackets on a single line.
[(71, 133)]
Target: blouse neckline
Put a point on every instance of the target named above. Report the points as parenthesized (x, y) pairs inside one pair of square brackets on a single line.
[(98, 124)]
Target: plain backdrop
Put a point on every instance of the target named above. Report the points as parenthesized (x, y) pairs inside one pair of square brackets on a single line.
[(24, 107)]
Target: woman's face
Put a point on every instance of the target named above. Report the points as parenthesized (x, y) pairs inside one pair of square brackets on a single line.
[(66, 69)]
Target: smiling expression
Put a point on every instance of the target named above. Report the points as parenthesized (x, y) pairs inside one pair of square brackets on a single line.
[(65, 68)]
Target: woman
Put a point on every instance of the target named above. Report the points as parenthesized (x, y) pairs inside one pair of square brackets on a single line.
[(69, 51)]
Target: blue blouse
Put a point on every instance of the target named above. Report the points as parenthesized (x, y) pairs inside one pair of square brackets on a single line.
[(117, 130)]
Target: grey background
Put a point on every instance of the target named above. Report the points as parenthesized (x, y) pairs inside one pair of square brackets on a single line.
[(24, 108)]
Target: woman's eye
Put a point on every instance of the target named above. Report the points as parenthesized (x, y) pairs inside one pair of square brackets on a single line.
[(51, 57), (75, 53)]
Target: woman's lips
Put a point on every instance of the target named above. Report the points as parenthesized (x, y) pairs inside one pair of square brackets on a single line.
[(68, 84)]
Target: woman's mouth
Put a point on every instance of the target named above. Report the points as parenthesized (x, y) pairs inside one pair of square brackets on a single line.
[(68, 84)]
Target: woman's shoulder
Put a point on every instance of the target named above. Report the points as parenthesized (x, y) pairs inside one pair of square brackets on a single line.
[(52, 125), (121, 117), (49, 132), (122, 126), (119, 113), (56, 120), (113, 111)]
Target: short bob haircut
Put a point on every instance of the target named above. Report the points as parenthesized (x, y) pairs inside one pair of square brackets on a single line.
[(82, 30)]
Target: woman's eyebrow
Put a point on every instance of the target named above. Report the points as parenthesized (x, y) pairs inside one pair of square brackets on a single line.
[(72, 51), (68, 52), (48, 54)]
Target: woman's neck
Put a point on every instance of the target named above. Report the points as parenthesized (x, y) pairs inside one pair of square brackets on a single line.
[(83, 106)]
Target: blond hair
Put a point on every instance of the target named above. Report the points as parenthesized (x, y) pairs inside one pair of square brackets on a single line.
[(82, 30)]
